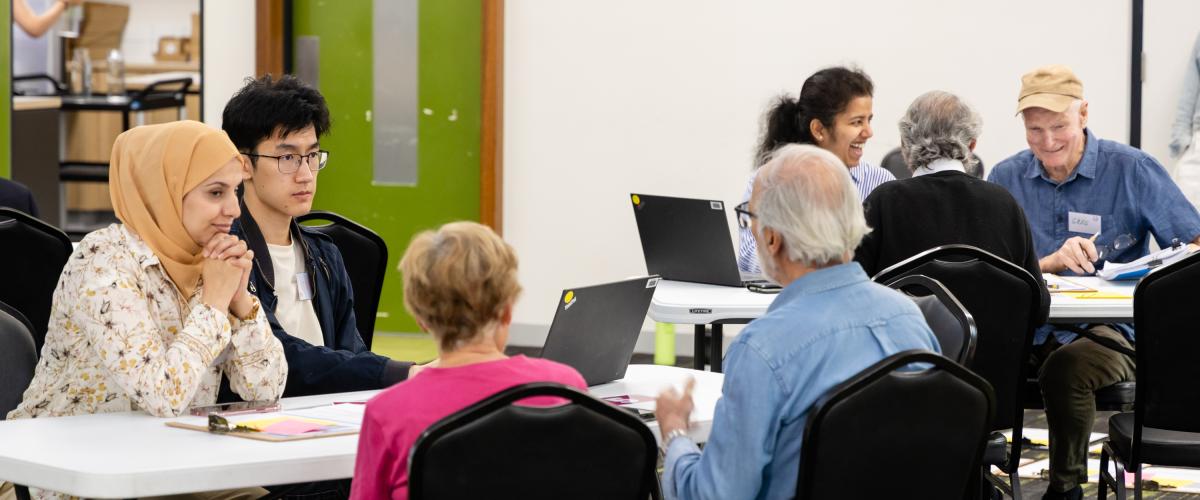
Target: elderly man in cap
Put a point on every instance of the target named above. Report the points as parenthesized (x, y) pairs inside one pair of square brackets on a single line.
[(1087, 200)]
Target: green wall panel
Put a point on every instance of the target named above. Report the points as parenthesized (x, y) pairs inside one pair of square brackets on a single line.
[(449, 81)]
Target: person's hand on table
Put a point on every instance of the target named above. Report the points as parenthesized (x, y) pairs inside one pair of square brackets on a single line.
[(673, 409), (415, 368), (1076, 254)]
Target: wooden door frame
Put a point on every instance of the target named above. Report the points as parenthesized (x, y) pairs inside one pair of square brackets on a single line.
[(270, 57), (491, 157), (269, 37)]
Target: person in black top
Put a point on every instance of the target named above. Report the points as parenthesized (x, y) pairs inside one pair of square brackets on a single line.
[(941, 204), (16, 195)]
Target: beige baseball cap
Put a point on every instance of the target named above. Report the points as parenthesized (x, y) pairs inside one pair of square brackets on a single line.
[(1052, 87)]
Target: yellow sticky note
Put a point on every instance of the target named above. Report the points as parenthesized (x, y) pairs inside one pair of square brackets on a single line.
[(1099, 295), (262, 423)]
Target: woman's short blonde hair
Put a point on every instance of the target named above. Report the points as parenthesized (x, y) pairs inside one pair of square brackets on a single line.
[(458, 280)]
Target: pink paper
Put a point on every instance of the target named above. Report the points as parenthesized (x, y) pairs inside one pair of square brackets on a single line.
[(292, 427)]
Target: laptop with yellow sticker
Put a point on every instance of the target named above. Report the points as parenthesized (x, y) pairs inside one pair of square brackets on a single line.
[(687, 239), (595, 328)]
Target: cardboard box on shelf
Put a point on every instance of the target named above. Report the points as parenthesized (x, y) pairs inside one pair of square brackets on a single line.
[(102, 28), (171, 48)]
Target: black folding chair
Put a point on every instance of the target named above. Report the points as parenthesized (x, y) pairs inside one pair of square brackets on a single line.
[(366, 257), (583, 449), (951, 323), (35, 253), (1006, 304), (1163, 428), (892, 425), (18, 358)]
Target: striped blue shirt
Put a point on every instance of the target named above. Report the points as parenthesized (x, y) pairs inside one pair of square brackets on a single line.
[(866, 179)]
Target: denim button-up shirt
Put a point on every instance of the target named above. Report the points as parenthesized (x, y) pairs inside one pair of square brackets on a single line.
[(821, 330), (1127, 188)]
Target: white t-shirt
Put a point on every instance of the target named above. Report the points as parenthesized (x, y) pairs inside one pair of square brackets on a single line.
[(297, 317)]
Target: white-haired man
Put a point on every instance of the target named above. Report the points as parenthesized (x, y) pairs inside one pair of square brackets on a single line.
[(829, 322), (1084, 197)]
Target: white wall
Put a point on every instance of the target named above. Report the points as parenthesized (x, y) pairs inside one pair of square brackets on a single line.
[(607, 98), (150, 20), (228, 52), (1171, 29)]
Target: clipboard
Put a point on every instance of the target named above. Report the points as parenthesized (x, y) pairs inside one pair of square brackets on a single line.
[(1059, 284), (319, 421)]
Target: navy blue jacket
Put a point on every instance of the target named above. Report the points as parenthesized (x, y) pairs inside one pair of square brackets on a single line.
[(343, 364)]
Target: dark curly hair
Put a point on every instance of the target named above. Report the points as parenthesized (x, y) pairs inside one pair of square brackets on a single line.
[(823, 95)]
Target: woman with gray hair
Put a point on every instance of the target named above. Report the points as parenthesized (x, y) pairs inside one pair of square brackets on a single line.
[(941, 204)]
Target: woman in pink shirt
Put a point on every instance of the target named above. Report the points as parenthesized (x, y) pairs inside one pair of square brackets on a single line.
[(460, 283)]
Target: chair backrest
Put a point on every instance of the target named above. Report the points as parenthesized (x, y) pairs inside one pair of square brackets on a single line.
[(35, 253), (1165, 318), (584, 449), (894, 163), (951, 323), (17, 359), (1005, 302), (366, 257), (891, 422)]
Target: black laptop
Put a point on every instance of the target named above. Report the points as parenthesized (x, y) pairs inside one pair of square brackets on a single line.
[(595, 328), (686, 239)]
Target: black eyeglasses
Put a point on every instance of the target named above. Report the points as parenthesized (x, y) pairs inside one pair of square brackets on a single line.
[(290, 163), (744, 215)]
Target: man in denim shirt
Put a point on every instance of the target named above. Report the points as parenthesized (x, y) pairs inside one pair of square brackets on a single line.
[(1074, 186), (829, 323)]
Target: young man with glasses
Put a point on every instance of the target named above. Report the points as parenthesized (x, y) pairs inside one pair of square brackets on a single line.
[(299, 275)]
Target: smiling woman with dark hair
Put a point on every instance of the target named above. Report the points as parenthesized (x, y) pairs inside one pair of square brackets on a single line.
[(833, 111)]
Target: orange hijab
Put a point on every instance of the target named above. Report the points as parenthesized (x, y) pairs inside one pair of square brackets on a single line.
[(151, 169)]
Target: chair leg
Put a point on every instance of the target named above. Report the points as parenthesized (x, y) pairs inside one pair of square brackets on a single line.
[(1119, 479), (1014, 479), (1137, 483), (1102, 483), (996, 482)]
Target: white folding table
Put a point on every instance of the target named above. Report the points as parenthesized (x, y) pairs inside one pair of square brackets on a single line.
[(133, 454), (708, 307)]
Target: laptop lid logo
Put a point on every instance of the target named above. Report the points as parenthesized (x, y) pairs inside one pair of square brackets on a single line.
[(569, 299), (716, 205)]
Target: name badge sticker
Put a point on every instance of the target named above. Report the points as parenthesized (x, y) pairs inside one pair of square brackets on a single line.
[(303, 287), (1079, 222)]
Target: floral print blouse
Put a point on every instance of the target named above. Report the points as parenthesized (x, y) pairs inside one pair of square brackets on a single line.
[(121, 337)]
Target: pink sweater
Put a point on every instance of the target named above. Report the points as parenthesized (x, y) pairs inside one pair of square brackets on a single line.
[(397, 416)]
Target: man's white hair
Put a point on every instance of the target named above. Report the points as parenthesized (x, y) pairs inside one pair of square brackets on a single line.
[(806, 194)]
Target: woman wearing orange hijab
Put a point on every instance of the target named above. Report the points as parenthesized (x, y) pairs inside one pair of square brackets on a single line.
[(150, 313)]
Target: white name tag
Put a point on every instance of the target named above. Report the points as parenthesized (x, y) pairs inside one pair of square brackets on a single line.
[(303, 287), (1078, 222)]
